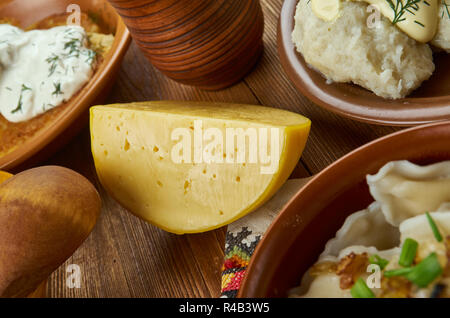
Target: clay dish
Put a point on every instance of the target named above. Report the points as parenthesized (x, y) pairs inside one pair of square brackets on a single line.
[(429, 103)]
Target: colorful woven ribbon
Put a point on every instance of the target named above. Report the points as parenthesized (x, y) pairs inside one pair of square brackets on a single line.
[(244, 235)]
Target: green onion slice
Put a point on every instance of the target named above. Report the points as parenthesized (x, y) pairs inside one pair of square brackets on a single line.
[(398, 272), (377, 260), (408, 253), (426, 271), (434, 228), (361, 290)]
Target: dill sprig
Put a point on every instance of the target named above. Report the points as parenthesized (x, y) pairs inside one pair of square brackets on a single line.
[(44, 108), (90, 56), (20, 102), (401, 8), (57, 90), (74, 47), (446, 9), (53, 61)]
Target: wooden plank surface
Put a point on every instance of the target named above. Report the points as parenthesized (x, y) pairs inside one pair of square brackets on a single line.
[(124, 256)]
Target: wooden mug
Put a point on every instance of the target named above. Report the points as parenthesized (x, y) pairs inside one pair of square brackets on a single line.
[(210, 44)]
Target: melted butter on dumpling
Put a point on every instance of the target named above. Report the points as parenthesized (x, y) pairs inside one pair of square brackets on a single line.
[(366, 228)]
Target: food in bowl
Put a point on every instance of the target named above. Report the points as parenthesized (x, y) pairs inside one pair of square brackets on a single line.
[(398, 247), (41, 69), (388, 53)]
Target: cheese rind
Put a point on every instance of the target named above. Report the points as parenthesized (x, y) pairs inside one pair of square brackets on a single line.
[(140, 162)]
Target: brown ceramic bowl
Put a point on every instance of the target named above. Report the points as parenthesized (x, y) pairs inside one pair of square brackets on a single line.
[(429, 103), (298, 235), (69, 122)]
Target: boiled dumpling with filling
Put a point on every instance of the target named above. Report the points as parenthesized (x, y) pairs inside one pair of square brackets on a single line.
[(366, 228), (418, 228), (405, 190), (334, 276), (384, 59)]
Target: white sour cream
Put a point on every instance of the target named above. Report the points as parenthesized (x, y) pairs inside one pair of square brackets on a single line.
[(41, 69)]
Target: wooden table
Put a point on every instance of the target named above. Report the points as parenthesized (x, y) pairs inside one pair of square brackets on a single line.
[(124, 256)]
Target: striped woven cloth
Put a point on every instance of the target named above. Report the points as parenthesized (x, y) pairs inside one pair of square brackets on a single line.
[(244, 235)]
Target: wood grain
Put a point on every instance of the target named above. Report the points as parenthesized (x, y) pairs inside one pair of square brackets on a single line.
[(124, 256), (210, 44)]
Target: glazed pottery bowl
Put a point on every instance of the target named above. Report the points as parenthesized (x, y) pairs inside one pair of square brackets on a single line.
[(429, 103), (298, 235)]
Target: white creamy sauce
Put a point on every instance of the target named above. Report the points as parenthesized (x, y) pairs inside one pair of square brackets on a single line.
[(41, 69)]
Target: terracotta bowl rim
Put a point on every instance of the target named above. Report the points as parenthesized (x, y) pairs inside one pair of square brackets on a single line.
[(252, 274), (77, 105)]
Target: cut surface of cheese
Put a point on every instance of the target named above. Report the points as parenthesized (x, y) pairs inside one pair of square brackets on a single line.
[(189, 167), (4, 176)]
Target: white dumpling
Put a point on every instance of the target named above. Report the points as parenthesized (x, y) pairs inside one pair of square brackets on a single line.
[(367, 228), (419, 228), (405, 190), (323, 286), (327, 285)]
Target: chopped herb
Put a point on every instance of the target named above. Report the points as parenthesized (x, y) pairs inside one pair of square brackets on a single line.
[(446, 9), (408, 253), (8, 88), (377, 260), (57, 90), (397, 272), (19, 106), (44, 106), (90, 56), (20, 103), (426, 271), (400, 9), (417, 22), (53, 61), (74, 47), (434, 228), (361, 290)]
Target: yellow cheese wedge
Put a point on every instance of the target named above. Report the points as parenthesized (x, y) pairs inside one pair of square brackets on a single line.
[(191, 167), (4, 176)]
